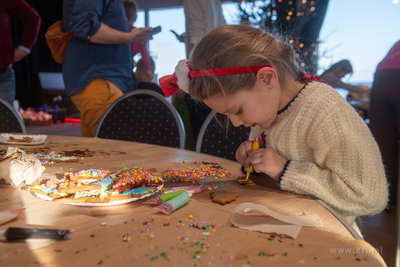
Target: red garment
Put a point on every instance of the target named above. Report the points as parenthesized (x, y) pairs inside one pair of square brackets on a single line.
[(31, 24), (391, 60), (142, 49)]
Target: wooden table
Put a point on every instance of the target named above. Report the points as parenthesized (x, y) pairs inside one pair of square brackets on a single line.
[(158, 239)]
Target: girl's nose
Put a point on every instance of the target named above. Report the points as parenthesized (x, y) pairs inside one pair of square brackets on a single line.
[(235, 121)]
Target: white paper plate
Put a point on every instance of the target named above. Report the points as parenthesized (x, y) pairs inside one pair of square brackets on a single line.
[(36, 139), (111, 203)]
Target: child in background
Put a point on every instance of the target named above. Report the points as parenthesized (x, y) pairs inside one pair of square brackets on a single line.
[(313, 141), (336, 72), (131, 9)]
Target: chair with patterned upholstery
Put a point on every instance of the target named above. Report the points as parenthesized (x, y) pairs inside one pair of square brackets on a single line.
[(10, 120), (215, 139), (142, 116)]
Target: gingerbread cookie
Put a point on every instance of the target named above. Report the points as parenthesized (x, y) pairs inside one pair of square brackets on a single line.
[(247, 182), (223, 197)]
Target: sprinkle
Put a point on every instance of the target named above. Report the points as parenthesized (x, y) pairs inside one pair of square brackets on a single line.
[(103, 224), (302, 261), (190, 216)]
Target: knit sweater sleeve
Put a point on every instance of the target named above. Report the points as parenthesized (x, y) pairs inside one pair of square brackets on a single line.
[(347, 173)]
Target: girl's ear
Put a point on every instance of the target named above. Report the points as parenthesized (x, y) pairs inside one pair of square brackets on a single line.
[(268, 76)]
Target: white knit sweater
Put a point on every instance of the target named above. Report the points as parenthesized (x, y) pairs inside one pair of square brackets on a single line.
[(332, 153)]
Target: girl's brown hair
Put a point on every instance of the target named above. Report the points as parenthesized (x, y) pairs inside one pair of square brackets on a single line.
[(238, 46)]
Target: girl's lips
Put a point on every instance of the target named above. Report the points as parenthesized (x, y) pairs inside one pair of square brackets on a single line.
[(254, 125)]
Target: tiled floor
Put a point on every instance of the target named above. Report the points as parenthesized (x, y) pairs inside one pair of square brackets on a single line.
[(379, 230)]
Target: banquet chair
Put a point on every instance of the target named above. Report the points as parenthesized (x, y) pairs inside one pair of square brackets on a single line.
[(10, 120), (142, 116), (218, 139)]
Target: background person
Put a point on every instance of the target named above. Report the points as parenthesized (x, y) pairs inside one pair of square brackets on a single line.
[(98, 63), (9, 54), (333, 76), (144, 80), (201, 16), (131, 9), (385, 115)]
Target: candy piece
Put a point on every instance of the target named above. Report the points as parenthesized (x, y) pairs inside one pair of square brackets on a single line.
[(165, 197), (174, 204)]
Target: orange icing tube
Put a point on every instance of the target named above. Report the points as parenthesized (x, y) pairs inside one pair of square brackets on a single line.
[(255, 146)]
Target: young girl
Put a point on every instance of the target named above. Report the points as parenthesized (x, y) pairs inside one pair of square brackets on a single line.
[(131, 9), (313, 141)]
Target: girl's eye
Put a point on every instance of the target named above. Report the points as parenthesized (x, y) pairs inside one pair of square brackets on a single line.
[(239, 112)]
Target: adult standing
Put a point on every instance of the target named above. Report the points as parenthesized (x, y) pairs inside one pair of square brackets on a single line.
[(98, 63), (9, 54), (385, 115), (201, 16)]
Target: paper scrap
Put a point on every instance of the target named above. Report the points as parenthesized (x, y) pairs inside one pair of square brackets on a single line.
[(274, 222), (23, 168)]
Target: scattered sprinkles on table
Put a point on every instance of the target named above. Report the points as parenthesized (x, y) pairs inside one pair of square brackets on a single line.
[(211, 170)]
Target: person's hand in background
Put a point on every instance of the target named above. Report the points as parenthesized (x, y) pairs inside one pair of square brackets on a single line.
[(19, 54), (141, 35)]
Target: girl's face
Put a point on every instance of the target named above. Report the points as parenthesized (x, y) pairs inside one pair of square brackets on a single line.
[(256, 107)]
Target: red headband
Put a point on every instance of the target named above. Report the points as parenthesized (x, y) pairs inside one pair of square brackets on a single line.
[(226, 71), (183, 73)]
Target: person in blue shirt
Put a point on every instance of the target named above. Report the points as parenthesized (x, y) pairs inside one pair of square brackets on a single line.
[(98, 62)]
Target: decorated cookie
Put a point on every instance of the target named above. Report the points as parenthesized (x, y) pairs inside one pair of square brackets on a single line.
[(49, 157), (247, 182), (88, 174), (206, 171), (106, 183), (90, 196), (223, 197), (134, 178)]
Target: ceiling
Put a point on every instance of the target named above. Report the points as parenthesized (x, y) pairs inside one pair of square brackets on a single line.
[(157, 4)]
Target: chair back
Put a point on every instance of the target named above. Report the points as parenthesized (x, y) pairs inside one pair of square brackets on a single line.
[(10, 120), (142, 116), (215, 139)]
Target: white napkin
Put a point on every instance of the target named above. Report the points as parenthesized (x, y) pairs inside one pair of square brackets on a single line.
[(24, 167), (274, 222)]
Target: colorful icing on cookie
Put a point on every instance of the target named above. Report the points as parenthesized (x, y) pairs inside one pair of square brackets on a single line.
[(53, 157), (214, 171), (135, 178), (106, 183), (139, 191), (88, 174)]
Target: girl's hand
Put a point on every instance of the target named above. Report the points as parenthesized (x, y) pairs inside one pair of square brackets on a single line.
[(243, 152), (266, 160)]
